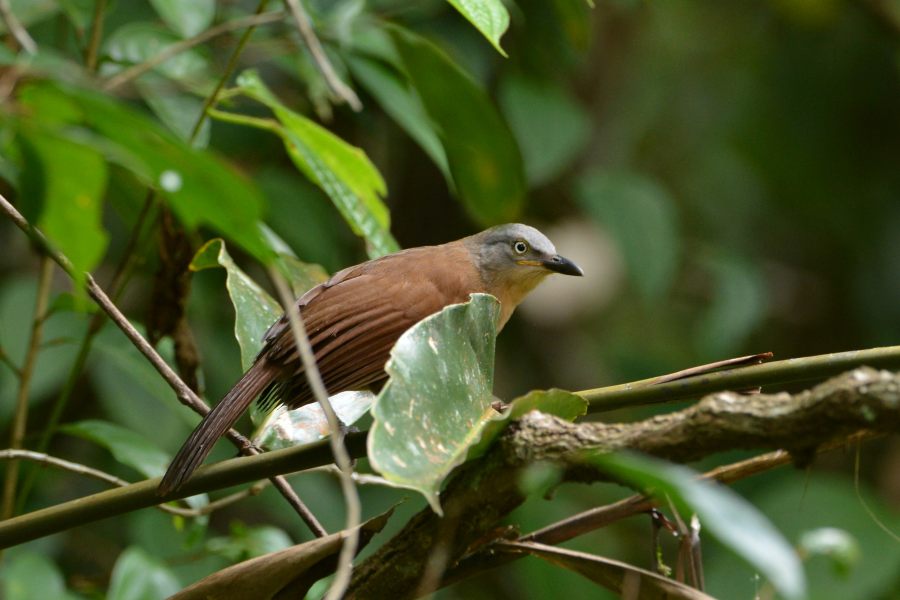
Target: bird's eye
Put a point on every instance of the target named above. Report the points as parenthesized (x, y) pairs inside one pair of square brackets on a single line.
[(520, 247)]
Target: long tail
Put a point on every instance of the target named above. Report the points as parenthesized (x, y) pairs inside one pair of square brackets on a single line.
[(199, 444)]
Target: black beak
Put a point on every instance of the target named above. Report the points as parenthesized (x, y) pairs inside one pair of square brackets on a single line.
[(562, 265)]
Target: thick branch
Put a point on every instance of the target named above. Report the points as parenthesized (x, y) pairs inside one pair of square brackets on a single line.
[(486, 490)]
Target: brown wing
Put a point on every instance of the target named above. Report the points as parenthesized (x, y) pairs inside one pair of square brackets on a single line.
[(354, 319)]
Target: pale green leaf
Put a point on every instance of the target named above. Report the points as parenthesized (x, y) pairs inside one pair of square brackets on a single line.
[(283, 428), (139, 576), (187, 17), (342, 171), (126, 446), (489, 17), (255, 310), (438, 398)]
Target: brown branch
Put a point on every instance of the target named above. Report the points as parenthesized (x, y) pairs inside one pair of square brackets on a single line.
[(90, 56), (486, 490)]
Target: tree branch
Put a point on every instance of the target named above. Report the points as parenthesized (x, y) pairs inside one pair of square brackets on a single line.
[(486, 490)]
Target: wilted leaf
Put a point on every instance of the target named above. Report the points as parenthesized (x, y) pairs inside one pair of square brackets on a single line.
[(640, 215), (729, 518), (265, 576), (126, 446), (490, 17), (626, 580), (255, 310), (343, 171), (438, 398), (139, 576), (481, 150)]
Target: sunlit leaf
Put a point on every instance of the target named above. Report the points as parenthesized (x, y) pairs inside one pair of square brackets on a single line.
[(73, 183), (438, 398), (255, 310), (126, 446), (139, 576), (283, 428), (640, 215), (490, 17), (343, 171), (200, 188), (729, 518), (838, 545), (482, 153), (187, 17), (614, 575)]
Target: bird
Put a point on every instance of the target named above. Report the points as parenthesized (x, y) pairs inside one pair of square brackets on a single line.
[(354, 318)]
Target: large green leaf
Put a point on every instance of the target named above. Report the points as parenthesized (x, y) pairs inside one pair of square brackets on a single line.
[(29, 575), (126, 446), (392, 92), (490, 17), (73, 181), (482, 153), (200, 188), (640, 215), (729, 518), (187, 17), (550, 125), (139, 576), (438, 398), (343, 171), (255, 310)]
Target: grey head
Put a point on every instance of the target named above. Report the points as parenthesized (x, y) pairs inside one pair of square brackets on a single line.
[(519, 251)]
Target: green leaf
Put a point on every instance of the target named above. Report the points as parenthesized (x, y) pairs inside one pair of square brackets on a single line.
[(244, 542), (31, 11), (438, 398), (561, 403), (550, 125), (838, 545), (489, 17), (187, 17), (126, 446), (482, 153), (640, 215), (255, 310), (139, 576), (178, 110), (200, 188), (729, 518), (343, 171), (392, 92), (74, 181), (29, 575), (137, 42)]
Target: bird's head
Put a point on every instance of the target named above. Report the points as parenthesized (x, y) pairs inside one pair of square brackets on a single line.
[(517, 256)]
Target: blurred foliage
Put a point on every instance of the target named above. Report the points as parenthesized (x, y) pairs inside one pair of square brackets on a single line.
[(736, 161)]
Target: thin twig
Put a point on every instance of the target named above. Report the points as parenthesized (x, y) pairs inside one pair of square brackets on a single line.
[(340, 89), (90, 58), (16, 28), (211, 100), (20, 418), (184, 393), (45, 459), (341, 457), (139, 69), (6, 360)]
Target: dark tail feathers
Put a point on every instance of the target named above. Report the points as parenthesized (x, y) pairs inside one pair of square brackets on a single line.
[(199, 444)]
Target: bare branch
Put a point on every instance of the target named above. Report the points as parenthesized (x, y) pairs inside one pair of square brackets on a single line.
[(16, 28)]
